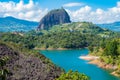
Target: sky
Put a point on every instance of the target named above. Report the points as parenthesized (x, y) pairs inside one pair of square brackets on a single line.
[(96, 11)]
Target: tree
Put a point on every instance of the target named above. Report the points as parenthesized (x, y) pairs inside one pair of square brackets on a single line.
[(111, 48), (91, 48)]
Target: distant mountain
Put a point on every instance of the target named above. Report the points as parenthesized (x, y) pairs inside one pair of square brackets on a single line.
[(54, 17), (112, 26), (14, 24)]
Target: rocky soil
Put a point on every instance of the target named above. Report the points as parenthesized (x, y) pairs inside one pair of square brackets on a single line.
[(23, 67)]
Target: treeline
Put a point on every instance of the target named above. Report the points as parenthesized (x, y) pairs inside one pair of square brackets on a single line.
[(53, 40), (67, 40)]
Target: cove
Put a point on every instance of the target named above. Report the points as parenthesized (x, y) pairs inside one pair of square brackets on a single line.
[(68, 60)]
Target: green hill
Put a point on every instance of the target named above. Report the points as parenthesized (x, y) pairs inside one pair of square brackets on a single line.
[(72, 35), (82, 27)]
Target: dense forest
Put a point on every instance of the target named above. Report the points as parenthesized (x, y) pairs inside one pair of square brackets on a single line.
[(56, 40), (74, 35)]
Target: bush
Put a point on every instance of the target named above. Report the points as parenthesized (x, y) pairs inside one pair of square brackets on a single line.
[(70, 75)]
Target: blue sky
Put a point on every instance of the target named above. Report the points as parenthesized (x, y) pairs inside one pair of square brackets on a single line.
[(94, 3), (96, 11), (51, 4)]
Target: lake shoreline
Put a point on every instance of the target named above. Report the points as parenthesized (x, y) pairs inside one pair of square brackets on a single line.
[(58, 48), (60, 58), (96, 61)]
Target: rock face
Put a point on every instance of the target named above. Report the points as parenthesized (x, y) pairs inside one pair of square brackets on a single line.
[(54, 17), (23, 67)]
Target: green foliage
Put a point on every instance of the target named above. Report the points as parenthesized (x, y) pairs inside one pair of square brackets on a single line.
[(67, 40), (111, 48), (102, 43), (91, 48), (82, 27), (70, 75), (52, 40), (28, 42), (3, 71), (118, 49), (73, 35), (110, 53), (108, 59)]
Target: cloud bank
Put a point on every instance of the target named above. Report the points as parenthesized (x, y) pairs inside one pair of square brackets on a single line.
[(30, 11), (98, 16)]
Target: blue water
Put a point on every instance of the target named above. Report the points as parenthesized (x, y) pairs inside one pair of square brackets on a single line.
[(69, 60)]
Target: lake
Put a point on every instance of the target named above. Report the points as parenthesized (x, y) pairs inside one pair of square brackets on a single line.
[(69, 60)]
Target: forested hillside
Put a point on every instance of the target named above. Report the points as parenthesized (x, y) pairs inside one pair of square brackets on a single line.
[(74, 35), (109, 52)]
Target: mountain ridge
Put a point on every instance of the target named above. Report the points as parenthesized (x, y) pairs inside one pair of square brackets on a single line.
[(115, 26), (14, 24)]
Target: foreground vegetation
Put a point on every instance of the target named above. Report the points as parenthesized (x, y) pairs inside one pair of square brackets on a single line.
[(70, 75), (3, 71)]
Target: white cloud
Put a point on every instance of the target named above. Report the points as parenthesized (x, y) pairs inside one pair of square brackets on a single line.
[(30, 11), (86, 13), (73, 4), (118, 4)]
